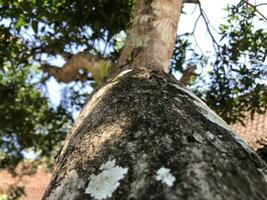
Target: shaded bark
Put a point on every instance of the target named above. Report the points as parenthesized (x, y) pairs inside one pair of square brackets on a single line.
[(144, 121), (142, 136)]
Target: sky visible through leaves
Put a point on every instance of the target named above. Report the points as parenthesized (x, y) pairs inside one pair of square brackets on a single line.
[(47, 35), (216, 13)]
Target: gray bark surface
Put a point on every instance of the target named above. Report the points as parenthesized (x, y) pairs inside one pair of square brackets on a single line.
[(144, 121)]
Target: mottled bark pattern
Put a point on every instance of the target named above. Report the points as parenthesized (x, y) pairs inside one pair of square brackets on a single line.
[(145, 122), (152, 36), (141, 136)]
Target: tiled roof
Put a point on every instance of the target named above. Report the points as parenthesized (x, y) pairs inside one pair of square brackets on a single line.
[(255, 131), (34, 185)]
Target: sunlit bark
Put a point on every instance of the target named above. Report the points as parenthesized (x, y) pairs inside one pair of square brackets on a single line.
[(142, 136)]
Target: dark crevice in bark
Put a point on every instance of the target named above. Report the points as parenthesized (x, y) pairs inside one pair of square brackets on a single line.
[(146, 122)]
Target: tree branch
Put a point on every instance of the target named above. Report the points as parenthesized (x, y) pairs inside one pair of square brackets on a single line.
[(215, 44), (191, 1), (187, 75), (77, 68), (150, 41), (255, 7)]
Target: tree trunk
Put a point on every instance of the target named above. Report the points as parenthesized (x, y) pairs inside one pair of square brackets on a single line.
[(142, 136)]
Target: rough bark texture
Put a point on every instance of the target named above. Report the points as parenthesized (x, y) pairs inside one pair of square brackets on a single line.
[(141, 136), (143, 121), (151, 39)]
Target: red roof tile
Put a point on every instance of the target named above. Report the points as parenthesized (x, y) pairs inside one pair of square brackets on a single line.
[(255, 131), (34, 185)]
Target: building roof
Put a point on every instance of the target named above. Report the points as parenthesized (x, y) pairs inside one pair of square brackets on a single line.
[(254, 131), (34, 185)]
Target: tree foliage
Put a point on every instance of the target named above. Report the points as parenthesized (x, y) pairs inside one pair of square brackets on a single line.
[(28, 121), (240, 66), (236, 83), (31, 34), (35, 33)]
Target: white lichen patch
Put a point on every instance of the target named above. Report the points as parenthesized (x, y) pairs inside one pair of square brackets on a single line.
[(68, 188), (104, 184), (164, 175), (210, 135)]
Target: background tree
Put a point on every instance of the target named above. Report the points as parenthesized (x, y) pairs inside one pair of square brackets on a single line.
[(142, 136), (34, 33)]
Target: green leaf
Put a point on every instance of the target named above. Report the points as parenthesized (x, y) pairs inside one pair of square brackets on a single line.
[(20, 22)]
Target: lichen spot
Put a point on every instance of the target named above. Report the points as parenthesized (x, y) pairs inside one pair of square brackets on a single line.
[(104, 184), (164, 175), (210, 136)]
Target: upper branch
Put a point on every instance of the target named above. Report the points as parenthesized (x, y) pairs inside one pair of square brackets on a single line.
[(255, 7), (77, 68), (191, 1), (152, 36)]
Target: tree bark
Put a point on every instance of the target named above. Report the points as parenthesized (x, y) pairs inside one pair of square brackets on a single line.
[(78, 67), (152, 37), (143, 121), (142, 136)]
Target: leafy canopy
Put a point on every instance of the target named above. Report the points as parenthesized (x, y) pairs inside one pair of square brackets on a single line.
[(35, 33)]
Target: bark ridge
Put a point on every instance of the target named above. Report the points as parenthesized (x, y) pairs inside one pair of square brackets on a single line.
[(142, 136)]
